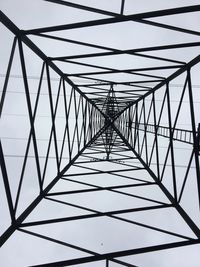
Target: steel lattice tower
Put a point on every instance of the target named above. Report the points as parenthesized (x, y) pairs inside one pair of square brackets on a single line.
[(106, 149)]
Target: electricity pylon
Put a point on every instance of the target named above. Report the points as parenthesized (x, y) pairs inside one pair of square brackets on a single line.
[(118, 151)]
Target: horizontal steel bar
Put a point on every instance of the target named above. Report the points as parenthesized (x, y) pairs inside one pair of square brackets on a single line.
[(136, 50), (95, 215), (119, 254), (152, 14)]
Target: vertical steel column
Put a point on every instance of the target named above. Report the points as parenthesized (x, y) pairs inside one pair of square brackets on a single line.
[(171, 144), (136, 125), (145, 132), (156, 135), (122, 7), (6, 185), (8, 74), (195, 136)]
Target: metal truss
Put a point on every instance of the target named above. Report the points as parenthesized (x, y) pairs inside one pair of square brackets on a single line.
[(119, 124)]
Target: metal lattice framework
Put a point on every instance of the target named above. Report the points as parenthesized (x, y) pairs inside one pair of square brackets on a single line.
[(117, 122)]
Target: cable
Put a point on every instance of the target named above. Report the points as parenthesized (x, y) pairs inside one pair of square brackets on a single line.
[(60, 140), (38, 116), (31, 93), (26, 139), (34, 77), (51, 157)]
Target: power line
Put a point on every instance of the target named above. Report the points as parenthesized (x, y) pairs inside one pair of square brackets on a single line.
[(32, 93), (34, 77), (26, 139), (63, 117), (52, 157), (60, 140), (38, 116)]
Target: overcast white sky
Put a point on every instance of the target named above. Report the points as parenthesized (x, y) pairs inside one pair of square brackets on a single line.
[(102, 234)]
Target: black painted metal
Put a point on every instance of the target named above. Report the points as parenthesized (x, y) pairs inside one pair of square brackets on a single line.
[(114, 122)]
